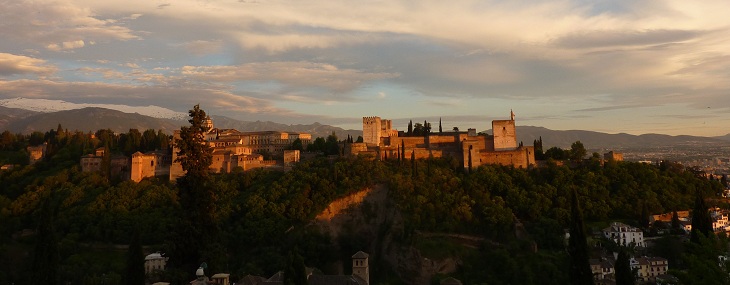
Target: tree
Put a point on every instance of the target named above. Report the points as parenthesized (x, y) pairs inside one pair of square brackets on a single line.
[(701, 220), (196, 234), (440, 129), (624, 274), (410, 127), (297, 145), (418, 130), (295, 273), (676, 226), (194, 154), (577, 151), (557, 153), (46, 256), (332, 146), (135, 262), (644, 218), (580, 268)]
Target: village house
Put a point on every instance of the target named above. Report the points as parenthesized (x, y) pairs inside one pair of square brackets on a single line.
[(624, 235), (648, 268)]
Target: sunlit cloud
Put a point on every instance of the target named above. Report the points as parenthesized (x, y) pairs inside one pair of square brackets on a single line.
[(11, 64)]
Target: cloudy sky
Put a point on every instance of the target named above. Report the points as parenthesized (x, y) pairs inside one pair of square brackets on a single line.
[(613, 66)]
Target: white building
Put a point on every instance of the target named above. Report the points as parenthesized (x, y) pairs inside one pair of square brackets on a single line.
[(154, 262), (623, 234)]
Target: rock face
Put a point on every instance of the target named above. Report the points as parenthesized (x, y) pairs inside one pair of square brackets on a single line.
[(370, 214)]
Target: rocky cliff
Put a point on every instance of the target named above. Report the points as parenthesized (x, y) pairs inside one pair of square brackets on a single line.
[(370, 214)]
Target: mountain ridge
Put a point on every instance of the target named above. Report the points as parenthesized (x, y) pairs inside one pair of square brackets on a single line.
[(91, 119)]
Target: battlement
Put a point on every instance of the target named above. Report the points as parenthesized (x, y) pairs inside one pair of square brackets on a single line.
[(370, 120)]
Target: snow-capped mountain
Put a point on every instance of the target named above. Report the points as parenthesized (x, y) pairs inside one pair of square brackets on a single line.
[(48, 106)]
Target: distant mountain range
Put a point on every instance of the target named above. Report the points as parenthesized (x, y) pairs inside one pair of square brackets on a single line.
[(597, 140), (93, 118)]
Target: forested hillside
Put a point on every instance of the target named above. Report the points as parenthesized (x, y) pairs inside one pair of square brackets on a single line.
[(264, 216)]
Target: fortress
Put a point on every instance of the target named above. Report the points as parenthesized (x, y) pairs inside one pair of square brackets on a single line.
[(472, 149), (232, 149)]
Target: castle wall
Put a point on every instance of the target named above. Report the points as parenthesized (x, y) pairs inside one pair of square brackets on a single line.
[(505, 137), (522, 157)]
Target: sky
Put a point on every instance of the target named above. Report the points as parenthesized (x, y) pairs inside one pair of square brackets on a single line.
[(615, 66)]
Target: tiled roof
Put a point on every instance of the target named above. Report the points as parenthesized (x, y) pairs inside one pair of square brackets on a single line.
[(360, 254)]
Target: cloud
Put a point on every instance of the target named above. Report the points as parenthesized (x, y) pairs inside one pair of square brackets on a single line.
[(57, 25), (202, 47), (109, 93), (66, 45), (11, 64), (292, 74), (615, 38)]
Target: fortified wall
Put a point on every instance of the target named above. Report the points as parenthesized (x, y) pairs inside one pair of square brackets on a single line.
[(469, 147)]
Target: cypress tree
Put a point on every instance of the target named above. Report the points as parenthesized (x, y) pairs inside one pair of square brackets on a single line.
[(624, 275), (580, 268), (676, 226), (45, 256), (701, 220), (440, 130), (135, 262), (195, 236)]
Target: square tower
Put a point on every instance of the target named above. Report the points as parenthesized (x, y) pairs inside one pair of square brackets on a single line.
[(360, 266), (505, 137), (371, 130)]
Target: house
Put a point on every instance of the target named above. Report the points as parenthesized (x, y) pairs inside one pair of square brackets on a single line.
[(648, 268), (602, 268), (154, 262), (623, 234)]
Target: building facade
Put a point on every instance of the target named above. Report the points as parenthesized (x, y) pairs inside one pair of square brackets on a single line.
[(624, 235)]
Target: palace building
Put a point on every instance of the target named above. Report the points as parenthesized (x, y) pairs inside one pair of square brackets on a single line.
[(472, 149), (233, 148)]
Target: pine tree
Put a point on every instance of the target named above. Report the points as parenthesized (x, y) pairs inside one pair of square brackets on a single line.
[(701, 220), (135, 274), (624, 275), (580, 268)]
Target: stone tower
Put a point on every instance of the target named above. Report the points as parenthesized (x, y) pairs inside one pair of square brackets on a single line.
[(371, 130), (360, 266), (209, 123), (505, 137)]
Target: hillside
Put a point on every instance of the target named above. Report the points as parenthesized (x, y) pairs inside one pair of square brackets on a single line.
[(316, 129), (89, 120), (9, 115), (597, 140)]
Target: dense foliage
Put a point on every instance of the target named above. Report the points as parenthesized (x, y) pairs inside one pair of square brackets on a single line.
[(264, 215)]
